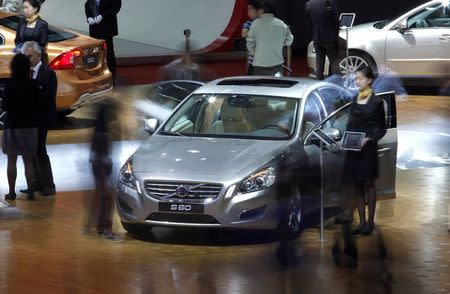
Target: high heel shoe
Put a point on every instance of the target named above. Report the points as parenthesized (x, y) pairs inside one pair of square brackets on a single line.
[(368, 229), (359, 229), (10, 196)]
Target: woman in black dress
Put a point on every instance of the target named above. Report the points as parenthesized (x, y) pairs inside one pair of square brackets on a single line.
[(33, 27), (361, 167), (21, 103)]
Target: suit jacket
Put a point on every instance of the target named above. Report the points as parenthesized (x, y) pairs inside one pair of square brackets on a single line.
[(48, 86), (323, 16), (39, 34), (12, 6), (108, 9)]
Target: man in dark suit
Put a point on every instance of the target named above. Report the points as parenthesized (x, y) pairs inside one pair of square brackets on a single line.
[(102, 18), (48, 84), (323, 16)]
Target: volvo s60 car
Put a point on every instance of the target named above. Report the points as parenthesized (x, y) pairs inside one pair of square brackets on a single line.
[(415, 46), (239, 153), (78, 60)]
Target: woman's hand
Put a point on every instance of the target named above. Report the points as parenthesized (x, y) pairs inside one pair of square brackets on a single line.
[(364, 142)]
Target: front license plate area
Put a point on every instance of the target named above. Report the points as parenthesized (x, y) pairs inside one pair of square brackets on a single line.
[(181, 207)]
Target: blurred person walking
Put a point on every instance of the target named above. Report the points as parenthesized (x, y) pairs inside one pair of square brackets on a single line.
[(367, 115), (48, 84), (102, 18), (266, 39), (14, 6), (98, 210), (33, 27), (323, 16), (21, 103), (253, 6)]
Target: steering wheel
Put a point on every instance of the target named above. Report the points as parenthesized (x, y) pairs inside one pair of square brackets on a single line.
[(284, 130)]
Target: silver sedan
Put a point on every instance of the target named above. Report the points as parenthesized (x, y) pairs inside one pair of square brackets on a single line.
[(239, 153), (414, 46)]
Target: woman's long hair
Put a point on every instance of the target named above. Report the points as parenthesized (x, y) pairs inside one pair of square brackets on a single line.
[(20, 67)]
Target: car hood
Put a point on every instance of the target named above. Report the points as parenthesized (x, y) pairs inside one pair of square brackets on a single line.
[(224, 158), (360, 29)]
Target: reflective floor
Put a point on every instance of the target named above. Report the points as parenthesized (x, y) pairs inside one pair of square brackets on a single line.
[(43, 251)]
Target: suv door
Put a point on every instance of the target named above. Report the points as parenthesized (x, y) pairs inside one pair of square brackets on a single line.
[(387, 150), (424, 48)]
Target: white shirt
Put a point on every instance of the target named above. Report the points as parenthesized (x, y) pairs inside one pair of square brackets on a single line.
[(266, 38), (36, 69)]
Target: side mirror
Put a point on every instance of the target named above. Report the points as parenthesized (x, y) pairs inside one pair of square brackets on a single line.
[(151, 125), (402, 27), (333, 134)]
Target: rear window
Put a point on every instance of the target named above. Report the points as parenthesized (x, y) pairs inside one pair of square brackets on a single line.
[(54, 34)]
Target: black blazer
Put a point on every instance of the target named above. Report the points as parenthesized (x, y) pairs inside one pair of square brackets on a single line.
[(48, 86), (323, 16), (21, 103), (108, 9), (39, 34)]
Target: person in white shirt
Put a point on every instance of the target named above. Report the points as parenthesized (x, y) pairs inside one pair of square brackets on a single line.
[(267, 37)]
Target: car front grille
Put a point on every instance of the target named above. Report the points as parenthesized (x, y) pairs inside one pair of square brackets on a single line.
[(182, 218), (182, 191)]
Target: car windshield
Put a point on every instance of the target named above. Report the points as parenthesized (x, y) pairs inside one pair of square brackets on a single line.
[(54, 34), (234, 116)]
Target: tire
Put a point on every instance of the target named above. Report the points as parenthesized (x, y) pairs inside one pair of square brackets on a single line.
[(291, 216), (361, 58), (349, 65), (136, 229)]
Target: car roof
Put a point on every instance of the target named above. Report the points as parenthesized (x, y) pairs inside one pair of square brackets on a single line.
[(259, 85)]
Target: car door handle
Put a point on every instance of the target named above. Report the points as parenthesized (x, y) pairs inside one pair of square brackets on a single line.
[(444, 39)]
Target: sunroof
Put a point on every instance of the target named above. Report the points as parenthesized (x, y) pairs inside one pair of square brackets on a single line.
[(276, 83)]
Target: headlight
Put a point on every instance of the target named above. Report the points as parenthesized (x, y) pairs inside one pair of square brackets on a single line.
[(126, 176), (259, 181)]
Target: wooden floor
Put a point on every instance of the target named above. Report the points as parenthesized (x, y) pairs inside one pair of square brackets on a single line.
[(43, 251)]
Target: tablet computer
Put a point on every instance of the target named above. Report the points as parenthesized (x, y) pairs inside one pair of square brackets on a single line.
[(346, 20), (352, 141), (323, 137)]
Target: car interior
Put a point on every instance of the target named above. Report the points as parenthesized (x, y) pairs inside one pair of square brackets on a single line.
[(224, 117)]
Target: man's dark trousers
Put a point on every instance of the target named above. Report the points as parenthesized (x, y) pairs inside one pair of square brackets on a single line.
[(324, 49), (42, 165)]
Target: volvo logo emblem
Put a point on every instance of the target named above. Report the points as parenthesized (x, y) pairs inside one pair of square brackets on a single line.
[(182, 191)]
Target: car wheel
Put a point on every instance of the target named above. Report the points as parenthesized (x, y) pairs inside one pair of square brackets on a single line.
[(292, 216), (136, 229), (349, 65)]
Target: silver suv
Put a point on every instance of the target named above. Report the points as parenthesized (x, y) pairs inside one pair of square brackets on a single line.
[(238, 153)]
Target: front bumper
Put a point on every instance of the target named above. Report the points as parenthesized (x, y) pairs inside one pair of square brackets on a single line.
[(257, 210)]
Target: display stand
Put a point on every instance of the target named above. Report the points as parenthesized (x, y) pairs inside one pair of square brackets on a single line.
[(346, 23), (322, 194)]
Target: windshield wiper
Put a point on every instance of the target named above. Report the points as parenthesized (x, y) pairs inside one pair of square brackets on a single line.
[(169, 133)]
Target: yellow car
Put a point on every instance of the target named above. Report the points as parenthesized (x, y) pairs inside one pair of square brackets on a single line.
[(78, 60)]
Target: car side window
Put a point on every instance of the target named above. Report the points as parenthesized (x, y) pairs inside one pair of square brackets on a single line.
[(334, 98), (312, 114), (338, 121), (433, 16)]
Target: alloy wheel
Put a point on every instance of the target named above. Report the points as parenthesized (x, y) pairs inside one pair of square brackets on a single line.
[(348, 67)]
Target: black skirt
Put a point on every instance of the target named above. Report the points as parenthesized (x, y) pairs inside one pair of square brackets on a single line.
[(361, 165)]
